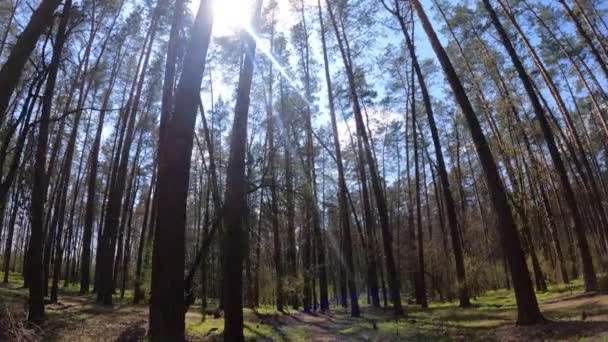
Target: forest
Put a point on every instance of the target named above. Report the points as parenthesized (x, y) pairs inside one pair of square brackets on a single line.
[(303, 170)]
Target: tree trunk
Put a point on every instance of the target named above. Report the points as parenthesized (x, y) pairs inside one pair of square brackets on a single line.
[(527, 305), (392, 272), (12, 69), (290, 203), (342, 189), (310, 175), (85, 261), (235, 198), (36, 286), (581, 30), (167, 314), (9, 236), (145, 230), (127, 257), (276, 238), (421, 283)]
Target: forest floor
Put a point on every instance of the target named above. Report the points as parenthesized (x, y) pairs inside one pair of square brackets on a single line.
[(78, 318)]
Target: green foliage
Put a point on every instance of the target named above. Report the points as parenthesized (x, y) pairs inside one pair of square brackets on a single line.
[(293, 287)]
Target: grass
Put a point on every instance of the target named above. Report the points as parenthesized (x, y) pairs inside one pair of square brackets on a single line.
[(440, 322)]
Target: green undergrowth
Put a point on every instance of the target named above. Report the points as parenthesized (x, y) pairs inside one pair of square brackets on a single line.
[(440, 322), (13, 290)]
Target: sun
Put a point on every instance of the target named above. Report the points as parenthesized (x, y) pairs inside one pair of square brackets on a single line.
[(229, 16)]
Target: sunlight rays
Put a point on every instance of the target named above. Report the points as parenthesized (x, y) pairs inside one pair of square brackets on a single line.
[(263, 48), (230, 16)]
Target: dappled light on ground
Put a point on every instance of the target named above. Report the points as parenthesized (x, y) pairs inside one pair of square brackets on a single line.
[(492, 317)]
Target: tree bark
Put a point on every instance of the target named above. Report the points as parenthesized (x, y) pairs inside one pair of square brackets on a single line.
[(36, 286), (26, 42), (167, 315), (235, 199)]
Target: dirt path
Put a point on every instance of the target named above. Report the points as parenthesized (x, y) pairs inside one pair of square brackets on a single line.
[(79, 319), (320, 327)]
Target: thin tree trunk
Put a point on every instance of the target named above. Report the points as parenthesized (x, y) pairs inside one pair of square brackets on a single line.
[(310, 175), (127, 258), (581, 30), (277, 256), (290, 203), (236, 200), (35, 262), (421, 283), (85, 261), (588, 269), (9, 237), (137, 292), (342, 202), (392, 272), (113, 209)]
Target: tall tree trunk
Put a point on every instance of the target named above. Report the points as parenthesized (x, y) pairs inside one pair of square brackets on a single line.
[(121, 161), (450, 206), (36, 286), (290, 203), (527, 305), (392, 272), (127, 257), (85, 260), (342, 189), (236, 200), (167, 314), (310, 175), (216, 226), (11, 174), (67, 169), (421, 283), (276, 238), (143, 237)]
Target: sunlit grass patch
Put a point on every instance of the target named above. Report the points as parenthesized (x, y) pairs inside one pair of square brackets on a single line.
[(257, 331), (209, 328), (293, 333)]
